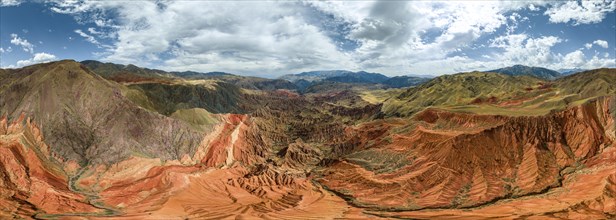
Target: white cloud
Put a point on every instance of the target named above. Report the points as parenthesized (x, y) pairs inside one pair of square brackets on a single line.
[(596, 62), (584, 12), (93, 31), (520, 49), (88, 37), (6, 3), (462, 23), (574, 59), (259, 37), (37, 58), (507, 41), (588, 45), (25, 45), (284, 37), (601, 43)]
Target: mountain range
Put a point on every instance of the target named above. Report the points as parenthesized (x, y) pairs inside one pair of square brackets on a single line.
[(301, 81), (305, 80), (102, 140), (539, 72), (566, 72)]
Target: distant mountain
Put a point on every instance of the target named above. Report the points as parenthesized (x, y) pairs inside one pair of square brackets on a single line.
[(421, 76), (314, 75), (404, 81), (517, 70), (123, 73), (246, 82), (566, 72), (193, 74), (359, 77), (336, 76), (305, 80), (132, 73)]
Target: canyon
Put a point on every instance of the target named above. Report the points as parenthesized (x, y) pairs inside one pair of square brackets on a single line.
[(94, 141)]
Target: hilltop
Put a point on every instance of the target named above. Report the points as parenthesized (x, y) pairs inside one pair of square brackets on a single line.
[(131, 73), (87, 118), (459, 89), (539, 72)]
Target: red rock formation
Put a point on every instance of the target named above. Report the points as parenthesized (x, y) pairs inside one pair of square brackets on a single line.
[(32, 183), (519, 156), (476, 166)]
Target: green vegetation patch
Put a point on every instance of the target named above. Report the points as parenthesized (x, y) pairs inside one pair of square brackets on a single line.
[(197, 117)]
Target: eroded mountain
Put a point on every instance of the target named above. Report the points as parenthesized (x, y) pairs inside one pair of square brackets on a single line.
[(471, 145)]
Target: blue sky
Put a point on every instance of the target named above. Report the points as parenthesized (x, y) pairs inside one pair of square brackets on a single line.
[(274, 38)]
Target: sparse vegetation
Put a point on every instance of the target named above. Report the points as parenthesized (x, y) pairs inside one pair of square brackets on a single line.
[(178, 141), (80, 135)]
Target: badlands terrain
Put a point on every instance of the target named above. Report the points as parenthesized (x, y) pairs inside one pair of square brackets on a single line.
[(101, 140)]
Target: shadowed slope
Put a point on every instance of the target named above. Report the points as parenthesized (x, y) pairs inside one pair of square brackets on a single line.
[(87, 118)]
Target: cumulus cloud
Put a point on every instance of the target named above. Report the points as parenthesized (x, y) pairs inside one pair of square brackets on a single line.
[(266, 36), (601, 43), (284, 37), (37, 58), (521, 49), (597, 62), (23, 43), (580, 12), (460, 24), (574, 59)]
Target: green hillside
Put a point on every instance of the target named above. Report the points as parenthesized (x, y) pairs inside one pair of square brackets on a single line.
[(459, 89)]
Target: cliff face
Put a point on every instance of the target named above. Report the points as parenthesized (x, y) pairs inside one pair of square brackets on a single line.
[(521, 156)]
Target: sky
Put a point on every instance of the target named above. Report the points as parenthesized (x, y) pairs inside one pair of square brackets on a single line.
[(273, 38)]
